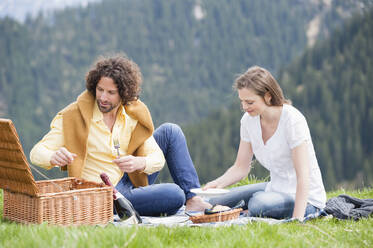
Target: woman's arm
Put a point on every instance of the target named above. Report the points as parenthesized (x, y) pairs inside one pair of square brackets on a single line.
[(301, 165), (237, 171)]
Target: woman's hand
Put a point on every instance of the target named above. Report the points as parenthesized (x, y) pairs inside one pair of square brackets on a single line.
[(130, 163), (236, 172), (62, 157), (211, 185)]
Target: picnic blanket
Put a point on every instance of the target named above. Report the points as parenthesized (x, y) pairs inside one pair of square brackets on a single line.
[(182, 219)]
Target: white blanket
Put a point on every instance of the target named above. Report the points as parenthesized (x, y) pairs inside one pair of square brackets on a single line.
[(182, 219)]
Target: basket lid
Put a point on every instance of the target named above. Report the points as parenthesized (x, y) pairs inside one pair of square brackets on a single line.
[(15, 172)]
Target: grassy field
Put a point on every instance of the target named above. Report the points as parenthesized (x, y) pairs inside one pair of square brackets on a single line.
[(324, 232)]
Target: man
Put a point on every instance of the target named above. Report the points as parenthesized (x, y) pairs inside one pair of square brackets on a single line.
[(108, 129)]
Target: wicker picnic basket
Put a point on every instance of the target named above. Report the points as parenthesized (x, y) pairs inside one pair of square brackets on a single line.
[(218, 217), (67, 201)]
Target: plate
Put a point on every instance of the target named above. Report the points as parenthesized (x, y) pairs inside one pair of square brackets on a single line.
[(209, 192)]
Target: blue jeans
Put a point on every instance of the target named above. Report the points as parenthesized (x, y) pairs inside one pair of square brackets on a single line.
[(260, 203), (165, 198)]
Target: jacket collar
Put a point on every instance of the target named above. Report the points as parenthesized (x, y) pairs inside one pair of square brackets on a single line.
[(135, 109)]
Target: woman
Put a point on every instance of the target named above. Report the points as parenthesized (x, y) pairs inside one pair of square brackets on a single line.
[(278, 135)]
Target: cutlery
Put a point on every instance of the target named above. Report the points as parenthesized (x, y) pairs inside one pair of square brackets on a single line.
[(117, 146)]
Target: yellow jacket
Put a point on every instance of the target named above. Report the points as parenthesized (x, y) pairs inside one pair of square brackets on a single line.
[(76, 123)]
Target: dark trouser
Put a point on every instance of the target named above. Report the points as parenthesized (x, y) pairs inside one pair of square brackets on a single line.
[(165, 198)]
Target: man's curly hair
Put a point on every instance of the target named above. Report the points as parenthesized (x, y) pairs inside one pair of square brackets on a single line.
[(124, 72)]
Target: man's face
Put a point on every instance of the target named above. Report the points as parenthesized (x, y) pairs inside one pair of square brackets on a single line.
[(107, 95)]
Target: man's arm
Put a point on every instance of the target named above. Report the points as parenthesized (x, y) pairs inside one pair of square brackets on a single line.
[(149, 159), (49, 152)]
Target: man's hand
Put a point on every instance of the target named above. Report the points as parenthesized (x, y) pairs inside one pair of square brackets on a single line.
[(62, 157), (130, 163)]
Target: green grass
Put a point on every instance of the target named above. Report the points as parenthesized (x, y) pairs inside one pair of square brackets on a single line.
[(321, 232)]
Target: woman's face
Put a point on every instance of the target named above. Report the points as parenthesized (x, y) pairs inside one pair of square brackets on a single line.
[(251, 103)]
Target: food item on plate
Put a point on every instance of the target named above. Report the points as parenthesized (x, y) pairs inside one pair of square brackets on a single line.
[(218, 208)]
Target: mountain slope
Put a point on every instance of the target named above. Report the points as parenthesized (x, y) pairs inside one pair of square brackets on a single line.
[(332, 85), (189, 52)]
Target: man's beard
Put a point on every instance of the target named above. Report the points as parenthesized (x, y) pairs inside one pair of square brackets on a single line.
[(107, 108)]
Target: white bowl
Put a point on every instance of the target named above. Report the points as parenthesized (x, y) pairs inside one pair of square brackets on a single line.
[(209, 193)]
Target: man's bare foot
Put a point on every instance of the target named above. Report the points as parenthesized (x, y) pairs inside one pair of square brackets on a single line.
[(196, 203)]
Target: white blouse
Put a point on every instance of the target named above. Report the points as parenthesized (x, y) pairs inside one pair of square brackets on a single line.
[(275, 155)]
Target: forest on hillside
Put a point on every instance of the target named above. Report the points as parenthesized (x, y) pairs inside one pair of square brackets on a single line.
[(189, 53), (332, 85)]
